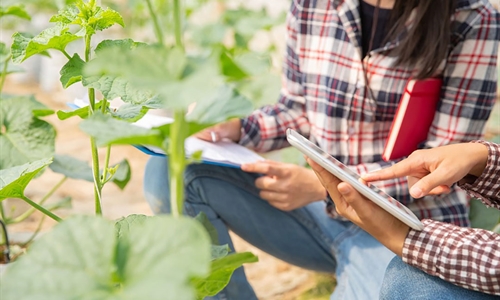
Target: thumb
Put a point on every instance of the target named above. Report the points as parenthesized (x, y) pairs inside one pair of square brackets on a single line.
[(350, 195)]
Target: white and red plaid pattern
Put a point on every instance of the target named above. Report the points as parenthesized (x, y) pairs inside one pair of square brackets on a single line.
[(323, 86), (464, 256)]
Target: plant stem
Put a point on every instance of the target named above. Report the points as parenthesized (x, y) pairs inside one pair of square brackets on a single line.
[(37, 231), (28, 213), (177, 162), (158, 32), (4, 72), (178, 24), (97, 179), (95, 154), (66, 54), (2, 213), (104, 105), (41, 208), (106, 164)]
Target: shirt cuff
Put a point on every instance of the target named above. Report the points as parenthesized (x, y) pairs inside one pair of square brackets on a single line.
[(486, 186)]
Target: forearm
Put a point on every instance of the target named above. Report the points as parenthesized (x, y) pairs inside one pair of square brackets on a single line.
[(265, 129), (455, 253)]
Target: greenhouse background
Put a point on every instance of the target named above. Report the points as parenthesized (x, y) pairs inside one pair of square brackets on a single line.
[(260, 25)]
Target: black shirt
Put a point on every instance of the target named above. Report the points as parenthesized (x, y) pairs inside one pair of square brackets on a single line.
[(367, 13)]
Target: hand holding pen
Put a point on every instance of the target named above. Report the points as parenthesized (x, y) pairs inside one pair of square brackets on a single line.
[(227, 130)]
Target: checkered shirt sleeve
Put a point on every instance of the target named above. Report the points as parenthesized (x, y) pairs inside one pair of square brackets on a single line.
[(322, 95), (487, 186), (467, 257)]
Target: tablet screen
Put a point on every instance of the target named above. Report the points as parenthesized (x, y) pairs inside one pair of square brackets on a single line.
[(343, 172), (356, 176)]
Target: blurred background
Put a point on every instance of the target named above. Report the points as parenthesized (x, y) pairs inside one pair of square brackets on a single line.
[(252, 30)]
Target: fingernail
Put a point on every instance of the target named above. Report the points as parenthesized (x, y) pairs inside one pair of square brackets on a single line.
[(416, 192)]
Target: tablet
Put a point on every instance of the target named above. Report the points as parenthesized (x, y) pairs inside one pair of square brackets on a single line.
[(345, 174)]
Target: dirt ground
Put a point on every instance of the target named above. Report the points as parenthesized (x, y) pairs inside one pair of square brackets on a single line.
[(272, 279)]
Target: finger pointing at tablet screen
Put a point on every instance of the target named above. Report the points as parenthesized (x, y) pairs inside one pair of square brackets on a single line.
[(343, 173)]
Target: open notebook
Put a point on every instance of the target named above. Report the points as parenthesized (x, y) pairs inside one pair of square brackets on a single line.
[(223, 153)]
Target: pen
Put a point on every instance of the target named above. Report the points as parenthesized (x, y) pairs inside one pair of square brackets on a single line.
[(213, 134)]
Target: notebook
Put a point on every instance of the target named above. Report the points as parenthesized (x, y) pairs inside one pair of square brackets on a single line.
[(223, 153), (413, 117)]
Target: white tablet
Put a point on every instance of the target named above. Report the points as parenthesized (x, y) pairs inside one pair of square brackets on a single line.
[(345, 174)]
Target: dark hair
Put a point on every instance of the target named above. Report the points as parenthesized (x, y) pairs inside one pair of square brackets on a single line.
[(426, 44)]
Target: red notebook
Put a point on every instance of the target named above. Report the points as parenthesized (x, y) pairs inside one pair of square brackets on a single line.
[(413, 118)]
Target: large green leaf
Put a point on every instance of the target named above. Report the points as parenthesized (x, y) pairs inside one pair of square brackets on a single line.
[(262, 89), (138, 100), (125, 44), (89, 16), (15, 10), (122, 174), (24, 137), (124, 224), (209, 227), (108, 131), (227, 103), (82, 258), (71, 167), (14, 180), (103, 19), (81, 112), (166, 72), (77, 169), (57, 37), (220, 273), (71, 72)]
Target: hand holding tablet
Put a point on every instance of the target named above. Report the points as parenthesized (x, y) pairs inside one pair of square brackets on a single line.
[(343, 173)]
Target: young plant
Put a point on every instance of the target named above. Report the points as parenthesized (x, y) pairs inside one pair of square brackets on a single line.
[(24, 138), (135, 264)]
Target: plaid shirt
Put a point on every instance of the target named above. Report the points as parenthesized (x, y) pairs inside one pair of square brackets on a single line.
[(464, 256), (323, 86)]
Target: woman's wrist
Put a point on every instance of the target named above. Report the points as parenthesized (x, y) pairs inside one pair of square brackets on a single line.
[(479, 154)]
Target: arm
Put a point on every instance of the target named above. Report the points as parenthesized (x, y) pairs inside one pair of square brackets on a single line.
[(466, 257), (434, 171), (468, 93), (265, 129)]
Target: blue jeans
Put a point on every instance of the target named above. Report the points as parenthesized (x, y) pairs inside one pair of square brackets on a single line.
[(305, 237), (403, 282)]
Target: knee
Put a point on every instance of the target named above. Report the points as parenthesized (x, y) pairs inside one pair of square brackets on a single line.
[(396, 282), (157, 186)]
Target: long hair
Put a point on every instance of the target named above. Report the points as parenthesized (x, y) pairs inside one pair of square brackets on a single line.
[(426, 44)]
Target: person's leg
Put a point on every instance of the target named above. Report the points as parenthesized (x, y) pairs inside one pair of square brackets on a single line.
[(362, 262), (305, 237), (230, 200), (402, 282)]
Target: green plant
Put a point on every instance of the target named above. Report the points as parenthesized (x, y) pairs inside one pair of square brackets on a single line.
[(113, 70), (24, 136)]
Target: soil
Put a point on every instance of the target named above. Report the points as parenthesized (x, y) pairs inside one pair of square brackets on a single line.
[(271, 278)]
